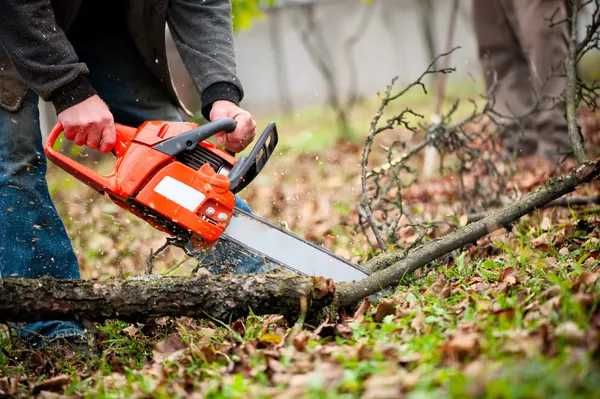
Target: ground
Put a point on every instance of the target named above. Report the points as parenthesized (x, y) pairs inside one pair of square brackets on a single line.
[(516, 315)]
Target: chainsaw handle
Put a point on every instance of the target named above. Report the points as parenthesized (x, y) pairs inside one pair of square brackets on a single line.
[(100, 183), (189, 140)]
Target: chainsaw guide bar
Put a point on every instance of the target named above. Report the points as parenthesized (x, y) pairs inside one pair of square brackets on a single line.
[(283, 248)]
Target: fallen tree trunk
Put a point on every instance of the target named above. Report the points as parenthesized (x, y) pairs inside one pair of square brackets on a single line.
[(228, 297), (389, 269), (225, 297)]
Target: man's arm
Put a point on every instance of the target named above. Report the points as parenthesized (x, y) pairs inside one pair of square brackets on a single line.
[(203, 35), (46, 61), (42, 54)]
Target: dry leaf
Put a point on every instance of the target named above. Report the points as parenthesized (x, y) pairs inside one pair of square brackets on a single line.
[(383, 387), (384, 307), (300, 340), (131, 331), (461, 346), (362, 308), (54, 384), (239, 327), (9, 386), (343, 330), (271, 338), (273, 322), (327, 374), (570, 332), (508, 276), (169, 348), (542, 242), (322, 287), (418, 322), (586, 279)]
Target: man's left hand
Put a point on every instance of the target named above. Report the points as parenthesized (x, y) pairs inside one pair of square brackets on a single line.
[(243, 134)]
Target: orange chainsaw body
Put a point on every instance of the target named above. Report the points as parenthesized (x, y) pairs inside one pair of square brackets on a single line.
[(176, 195)]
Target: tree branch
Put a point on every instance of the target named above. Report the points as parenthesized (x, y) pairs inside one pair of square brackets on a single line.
[(225, 297), (349, 294)]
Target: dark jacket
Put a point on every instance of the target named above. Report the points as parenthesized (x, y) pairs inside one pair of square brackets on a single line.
[(36, 54)]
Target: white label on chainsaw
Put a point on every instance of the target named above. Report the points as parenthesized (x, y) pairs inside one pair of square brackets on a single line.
[(180, 193)]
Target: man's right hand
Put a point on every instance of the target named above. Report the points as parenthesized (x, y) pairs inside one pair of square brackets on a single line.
[(90, 123)]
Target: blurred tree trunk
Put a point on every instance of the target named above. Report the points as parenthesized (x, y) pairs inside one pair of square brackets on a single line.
[(275, 34)]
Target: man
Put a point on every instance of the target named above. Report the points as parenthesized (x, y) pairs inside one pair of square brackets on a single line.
[(522, 50), (97, 62)]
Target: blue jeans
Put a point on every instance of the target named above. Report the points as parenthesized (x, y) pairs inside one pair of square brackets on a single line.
[(33, 241)]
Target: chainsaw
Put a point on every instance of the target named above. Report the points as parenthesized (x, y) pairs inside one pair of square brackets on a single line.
[(170, 175)]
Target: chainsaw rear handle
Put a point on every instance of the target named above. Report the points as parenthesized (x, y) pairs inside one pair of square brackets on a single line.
[(189, 140), (125, 135)]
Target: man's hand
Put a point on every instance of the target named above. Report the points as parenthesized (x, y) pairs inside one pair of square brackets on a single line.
[(90, 123), (243, 134)]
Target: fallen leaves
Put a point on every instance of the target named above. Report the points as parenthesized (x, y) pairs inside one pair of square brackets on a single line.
[(462, 345)]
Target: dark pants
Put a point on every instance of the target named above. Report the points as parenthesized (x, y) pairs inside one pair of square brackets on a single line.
[(523, 60)]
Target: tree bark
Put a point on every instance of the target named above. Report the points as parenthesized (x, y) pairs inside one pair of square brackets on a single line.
[(225, 297)]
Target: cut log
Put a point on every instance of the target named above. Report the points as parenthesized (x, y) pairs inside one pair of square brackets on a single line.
[(225, 297)]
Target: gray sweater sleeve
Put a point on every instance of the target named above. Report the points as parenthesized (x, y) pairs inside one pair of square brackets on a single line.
[(41, 53), (203, 35)]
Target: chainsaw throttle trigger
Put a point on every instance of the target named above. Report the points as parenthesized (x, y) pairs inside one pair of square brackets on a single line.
[(189, 140), (248, 167)]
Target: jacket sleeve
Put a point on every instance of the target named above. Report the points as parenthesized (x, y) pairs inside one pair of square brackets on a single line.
[(203, 35), (41, 53)]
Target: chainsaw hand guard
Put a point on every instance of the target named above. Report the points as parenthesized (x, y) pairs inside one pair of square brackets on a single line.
[(247, 168)]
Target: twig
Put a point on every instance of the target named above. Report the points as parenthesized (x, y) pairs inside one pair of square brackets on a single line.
[(366, 204), (153, 254), (299, 325)]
